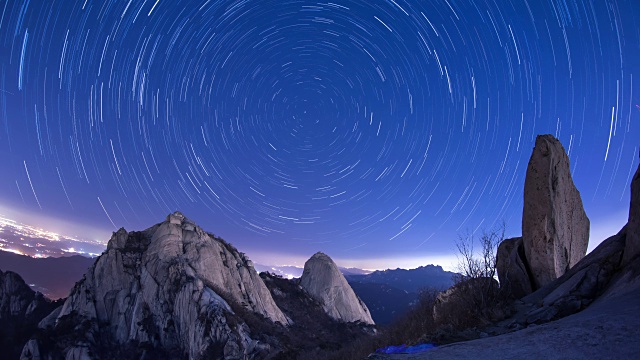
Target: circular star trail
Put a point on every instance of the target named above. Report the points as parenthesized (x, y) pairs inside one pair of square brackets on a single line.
[(364, 128)]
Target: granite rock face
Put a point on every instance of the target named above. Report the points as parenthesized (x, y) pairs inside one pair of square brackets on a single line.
[(632, 246), (20, 311), (512, 268), (169, 288), (555, 228), (325, 283), (16, 298)]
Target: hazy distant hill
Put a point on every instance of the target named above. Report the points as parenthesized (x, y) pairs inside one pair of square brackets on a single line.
[(54, 277), (409, 280), (295, 271), (284, 271), (353, 271), (390, 293)]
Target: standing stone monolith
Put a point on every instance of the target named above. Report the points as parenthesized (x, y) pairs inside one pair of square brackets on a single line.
[(555, 228), (325, 283)]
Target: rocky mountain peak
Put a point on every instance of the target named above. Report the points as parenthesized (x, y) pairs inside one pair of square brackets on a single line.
[(323, 280), (321, 257), (173, 287)]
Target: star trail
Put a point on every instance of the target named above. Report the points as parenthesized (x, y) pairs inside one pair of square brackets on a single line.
[(365, 129)]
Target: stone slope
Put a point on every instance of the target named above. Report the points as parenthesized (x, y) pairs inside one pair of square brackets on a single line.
[(172, 288), (555, 228), (323, 280)]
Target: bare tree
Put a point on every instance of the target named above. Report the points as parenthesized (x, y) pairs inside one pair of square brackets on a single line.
[(472, 265), (475, 297)]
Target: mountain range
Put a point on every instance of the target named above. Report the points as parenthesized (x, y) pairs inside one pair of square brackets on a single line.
[(388, 293), (176, 291)]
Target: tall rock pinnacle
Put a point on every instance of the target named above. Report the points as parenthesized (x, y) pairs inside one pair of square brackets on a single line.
[(325, 283), (555, 228)]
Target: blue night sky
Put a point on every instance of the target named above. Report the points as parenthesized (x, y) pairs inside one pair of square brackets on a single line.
[(370, 130)]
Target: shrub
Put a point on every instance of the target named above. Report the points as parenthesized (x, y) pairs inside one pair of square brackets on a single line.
[(475, 299)]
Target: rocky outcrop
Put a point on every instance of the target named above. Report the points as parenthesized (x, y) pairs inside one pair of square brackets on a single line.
[(16, 298), (322, 279), (632, 246), (603, 273), (555, 228), (591, 311), (313, 333), (512, 267), (20, 311), (595, 273), (173, 289)]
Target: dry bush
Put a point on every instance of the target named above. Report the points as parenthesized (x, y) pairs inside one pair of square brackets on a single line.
[(475, 299), (472, 265)]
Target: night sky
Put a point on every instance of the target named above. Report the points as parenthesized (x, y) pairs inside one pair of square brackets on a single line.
[(371, 130)]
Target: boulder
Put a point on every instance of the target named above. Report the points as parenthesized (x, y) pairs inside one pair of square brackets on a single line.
[(632, 246), (512, 268), (555, 228), (31, 350), (172, 288), (325, 283)]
